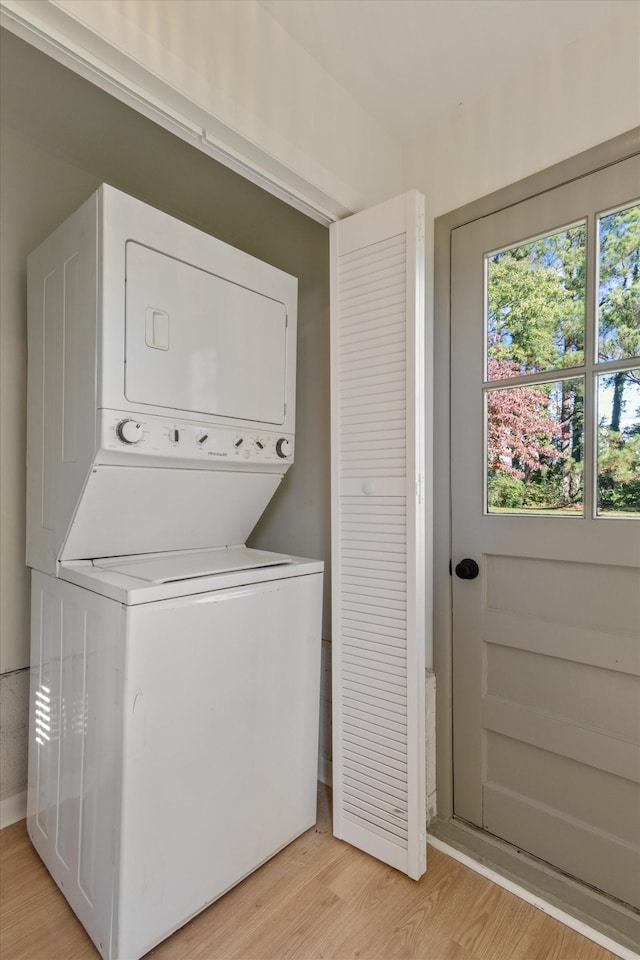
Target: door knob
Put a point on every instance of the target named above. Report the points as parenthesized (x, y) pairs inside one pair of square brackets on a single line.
[(467, 569)]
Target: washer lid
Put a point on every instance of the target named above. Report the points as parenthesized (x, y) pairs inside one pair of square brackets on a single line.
[(127, 510), (169, 567)]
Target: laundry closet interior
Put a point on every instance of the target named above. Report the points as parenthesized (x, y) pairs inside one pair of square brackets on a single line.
[(62, 137)]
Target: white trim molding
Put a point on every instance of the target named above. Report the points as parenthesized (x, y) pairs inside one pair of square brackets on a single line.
[(150, 97), (13, 809), (278, 128), (586, 931)]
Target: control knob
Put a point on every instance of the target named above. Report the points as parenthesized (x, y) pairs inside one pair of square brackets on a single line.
[(129, 431), (283, 447)]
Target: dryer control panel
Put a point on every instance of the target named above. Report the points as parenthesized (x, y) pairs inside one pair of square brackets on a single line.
[(160, 437)]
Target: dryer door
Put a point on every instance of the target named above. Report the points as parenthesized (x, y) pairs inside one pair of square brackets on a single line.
[(200, 344)]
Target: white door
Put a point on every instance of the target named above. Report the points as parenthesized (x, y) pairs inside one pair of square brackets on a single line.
[(378, 531), (546, 501)]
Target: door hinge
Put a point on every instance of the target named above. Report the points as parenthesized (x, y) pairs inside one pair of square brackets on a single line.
[(420, 488), (450, 568)]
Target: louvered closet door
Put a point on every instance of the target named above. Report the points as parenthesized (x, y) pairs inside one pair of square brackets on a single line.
[(377, 391)]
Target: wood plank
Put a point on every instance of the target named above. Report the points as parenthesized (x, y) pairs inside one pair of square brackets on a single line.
[(595, 856), (588, 745), (582, 600), (571, 788), (605, 700), (567, 641), (319, 899)]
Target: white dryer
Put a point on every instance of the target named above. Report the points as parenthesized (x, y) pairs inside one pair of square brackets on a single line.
[(175, 672)]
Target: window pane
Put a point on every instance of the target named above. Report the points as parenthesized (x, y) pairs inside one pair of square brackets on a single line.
[(536, 305), (619, 444), (619, 285), (535, 448)]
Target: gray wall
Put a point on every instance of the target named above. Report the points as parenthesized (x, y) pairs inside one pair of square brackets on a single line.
[(61, 137)]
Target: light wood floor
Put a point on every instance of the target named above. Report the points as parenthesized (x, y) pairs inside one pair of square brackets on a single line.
[(319, 899)]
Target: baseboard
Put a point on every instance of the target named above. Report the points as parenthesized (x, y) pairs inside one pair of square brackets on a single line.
[(13, 809), (482, 857)]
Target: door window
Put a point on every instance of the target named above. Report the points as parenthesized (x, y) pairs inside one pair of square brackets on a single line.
[(537, 326), (618, 391)]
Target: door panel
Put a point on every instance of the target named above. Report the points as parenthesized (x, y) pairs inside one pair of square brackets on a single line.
[(546, 656)]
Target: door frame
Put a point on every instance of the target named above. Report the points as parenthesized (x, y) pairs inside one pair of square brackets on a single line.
[(619, 148)]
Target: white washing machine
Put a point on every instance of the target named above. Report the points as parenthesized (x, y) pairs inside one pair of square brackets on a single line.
[(175, 672)]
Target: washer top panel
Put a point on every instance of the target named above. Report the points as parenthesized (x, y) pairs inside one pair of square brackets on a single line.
[(239, 567), (166, 568)]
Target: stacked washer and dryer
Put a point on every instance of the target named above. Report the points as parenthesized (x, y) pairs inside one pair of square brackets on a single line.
[(175, 672)]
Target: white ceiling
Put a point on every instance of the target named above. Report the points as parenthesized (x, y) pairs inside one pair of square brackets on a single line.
[(408, 62)]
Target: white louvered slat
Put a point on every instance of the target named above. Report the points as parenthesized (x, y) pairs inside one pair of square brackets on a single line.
[(379, 349), (387, 404), (364, 713), (358, 780), (369, 598), (375, 595), (363, 704), (369, 368), (393, 700), (374, 729), (355, 634), (378, 530), (373, 642), (362, 759), (396, 808), (378, 387), (382, 653), (390, 525), (394, 626), (385, 329)]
